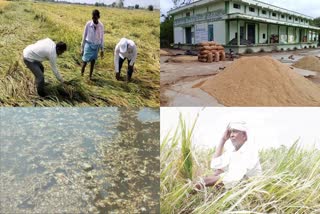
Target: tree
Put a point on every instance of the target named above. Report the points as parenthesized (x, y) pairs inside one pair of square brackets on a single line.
[(178, 3), (166, 31), (316, 22), (120, 3), (136, 6), (114, 4), (150, 7)]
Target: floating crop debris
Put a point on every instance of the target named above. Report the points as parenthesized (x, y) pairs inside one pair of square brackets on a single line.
[(79, 160)]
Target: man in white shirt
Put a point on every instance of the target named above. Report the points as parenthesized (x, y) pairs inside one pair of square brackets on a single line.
[(236, 164), (43, 50), (125, 49), (92, 41)]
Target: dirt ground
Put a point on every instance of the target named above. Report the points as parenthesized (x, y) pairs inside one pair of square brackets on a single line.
[(177, 79)]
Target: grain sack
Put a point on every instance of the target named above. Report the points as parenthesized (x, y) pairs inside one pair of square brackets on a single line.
[(261, 81), (212, 43), (204, 43), (205, 56), (205, 52), (222, 55), (202, 60), (202, 48), (210, 57)]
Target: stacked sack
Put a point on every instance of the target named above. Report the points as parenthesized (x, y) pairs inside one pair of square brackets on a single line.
[(211, 52)]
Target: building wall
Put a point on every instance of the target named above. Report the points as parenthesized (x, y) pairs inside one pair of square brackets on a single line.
[(263, 30), (219, 32), (291, 36), (255, 13), (178, 33), (233, 29), (245, 10), (273, 29), (217, 6), (282, 34), (200, 10), (219, 26), (234, 10), (297, 38)]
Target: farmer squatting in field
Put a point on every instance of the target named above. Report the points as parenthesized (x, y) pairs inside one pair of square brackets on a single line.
[(125, 49), (42, 50), (236, 164), (92, 41)]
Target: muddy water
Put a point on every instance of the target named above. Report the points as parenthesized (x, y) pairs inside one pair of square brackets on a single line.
[(79, 160)]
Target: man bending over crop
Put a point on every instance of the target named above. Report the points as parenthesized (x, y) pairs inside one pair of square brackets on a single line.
[(92, 41), (232, 166), (42, 50), (125, 49)]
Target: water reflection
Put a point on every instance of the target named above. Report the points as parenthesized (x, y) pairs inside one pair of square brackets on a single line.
[(79, 160)]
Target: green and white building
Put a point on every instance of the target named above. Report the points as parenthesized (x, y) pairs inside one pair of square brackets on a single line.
[(239, 24)]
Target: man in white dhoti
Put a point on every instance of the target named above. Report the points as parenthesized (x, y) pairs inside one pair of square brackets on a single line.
[(242, 161)]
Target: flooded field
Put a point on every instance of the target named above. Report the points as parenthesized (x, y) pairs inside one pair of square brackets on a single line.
[(79, 160)]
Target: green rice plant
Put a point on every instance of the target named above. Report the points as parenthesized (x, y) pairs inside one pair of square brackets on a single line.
[(290, 182), (186, 155)]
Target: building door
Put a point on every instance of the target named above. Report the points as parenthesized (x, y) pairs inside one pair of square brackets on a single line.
[(252, 33), (188, 35), (210, 33)]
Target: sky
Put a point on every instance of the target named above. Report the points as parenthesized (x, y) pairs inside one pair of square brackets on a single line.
[(143, 3), (267, 127), (307, 7)]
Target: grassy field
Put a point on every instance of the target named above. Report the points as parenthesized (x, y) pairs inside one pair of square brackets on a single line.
[(290, 182), (23, 23)]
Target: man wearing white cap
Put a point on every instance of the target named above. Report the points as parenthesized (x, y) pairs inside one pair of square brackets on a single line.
[(232, 166), (125, 49)]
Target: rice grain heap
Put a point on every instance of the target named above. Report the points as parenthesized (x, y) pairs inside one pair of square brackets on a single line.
[(261, 81), (211, 52), (311, 63)]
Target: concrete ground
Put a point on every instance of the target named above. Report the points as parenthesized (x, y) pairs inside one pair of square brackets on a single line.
[(177, 79)]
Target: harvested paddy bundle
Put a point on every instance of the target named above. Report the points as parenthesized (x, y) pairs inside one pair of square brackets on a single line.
[(261, 81), (211, 52)]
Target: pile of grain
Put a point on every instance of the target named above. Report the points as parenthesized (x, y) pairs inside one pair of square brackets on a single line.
[(311, 63), (182, 58), (165, 53), (211, 52), (261, 81)]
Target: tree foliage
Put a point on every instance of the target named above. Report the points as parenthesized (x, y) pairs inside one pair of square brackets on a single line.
[(178, 3), (316, 22), (150, 7), (166, 31)]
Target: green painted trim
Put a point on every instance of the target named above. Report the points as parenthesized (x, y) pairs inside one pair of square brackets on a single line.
[(227, 25), (287, 34), (268, 33), (258, 33), (226, 7), (238, 33)]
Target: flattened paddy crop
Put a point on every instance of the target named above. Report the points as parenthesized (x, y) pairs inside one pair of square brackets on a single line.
[(24, 23)]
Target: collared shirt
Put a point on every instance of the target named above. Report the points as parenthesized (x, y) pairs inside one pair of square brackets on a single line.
[(42, 50), (238, 164), (130, 54), (93, 33)]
